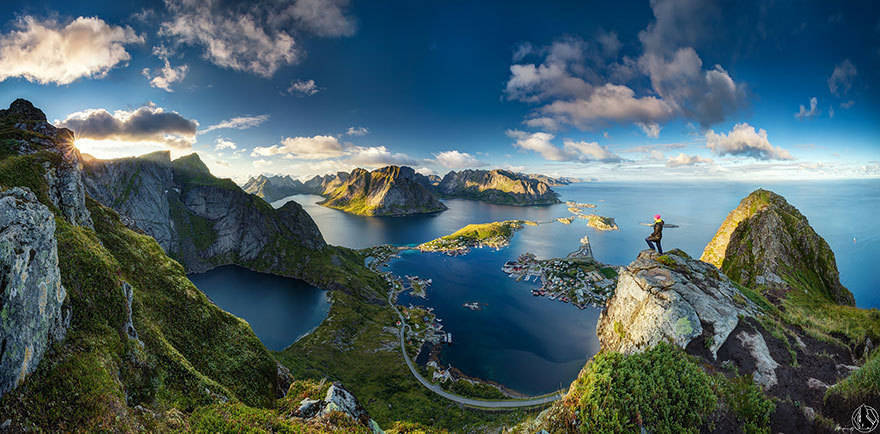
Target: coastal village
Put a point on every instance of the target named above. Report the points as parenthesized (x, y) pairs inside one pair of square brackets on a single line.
[(578, 278)]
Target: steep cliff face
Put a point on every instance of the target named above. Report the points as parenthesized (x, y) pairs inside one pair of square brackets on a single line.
[(198, 219), (31, 293), (497, 186), (391, 190), (137, 188), (766, 242), (272, 188)]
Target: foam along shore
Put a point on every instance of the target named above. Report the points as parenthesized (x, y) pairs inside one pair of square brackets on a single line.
[(495, 235)]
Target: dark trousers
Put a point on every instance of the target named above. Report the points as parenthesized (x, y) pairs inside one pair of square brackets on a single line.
[(651, 244)]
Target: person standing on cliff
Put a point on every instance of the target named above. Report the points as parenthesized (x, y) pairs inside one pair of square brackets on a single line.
[(655, 237)]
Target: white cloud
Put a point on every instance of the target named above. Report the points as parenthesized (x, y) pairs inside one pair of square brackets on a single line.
[(377, 156), (842, 77), (166, 76), (610, 102), (744, 141), (237, 123), (50, 52), (651, 129), (305, 148), (150, 124), (257, 36), (585, 84), (323, 17), (457, 160), (541, 143), (803, 113), (224, 144), (357, 131), (848, 104), (687, 160), (260, 164), (303, 87)]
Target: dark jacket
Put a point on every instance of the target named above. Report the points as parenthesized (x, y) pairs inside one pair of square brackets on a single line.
[(658, 231)]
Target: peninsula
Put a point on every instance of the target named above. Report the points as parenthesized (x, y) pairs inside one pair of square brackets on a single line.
[(389, 191)]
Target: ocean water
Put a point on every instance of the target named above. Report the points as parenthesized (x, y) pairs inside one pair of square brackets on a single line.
[(535, 345), (280, 310)]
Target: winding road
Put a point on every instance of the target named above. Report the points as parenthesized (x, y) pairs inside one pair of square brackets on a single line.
[(500, 404)]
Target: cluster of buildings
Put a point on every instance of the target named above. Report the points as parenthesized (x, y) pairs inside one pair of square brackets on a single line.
[(579, 280)]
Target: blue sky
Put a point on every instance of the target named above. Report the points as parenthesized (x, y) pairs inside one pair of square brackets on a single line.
[(630, 90)]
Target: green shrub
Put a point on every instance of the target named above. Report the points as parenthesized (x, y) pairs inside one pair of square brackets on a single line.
[(660, 389)]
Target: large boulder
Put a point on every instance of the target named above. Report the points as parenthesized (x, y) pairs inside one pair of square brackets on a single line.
[(671, 298), (32, 298), (766, 242)]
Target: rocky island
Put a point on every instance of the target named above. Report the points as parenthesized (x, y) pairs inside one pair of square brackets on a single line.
[(600, 223), (497, 186), (494, 235), (389, 191)]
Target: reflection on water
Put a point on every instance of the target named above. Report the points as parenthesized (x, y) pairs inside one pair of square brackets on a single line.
[(280, 310)]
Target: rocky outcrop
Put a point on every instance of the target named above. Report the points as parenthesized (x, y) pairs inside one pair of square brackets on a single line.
[(64, 177), (670, 298), (389, 191), (200, 220), (553, 182), (766, 242), (32, 298), (497, 186), (272, 188), (337, 399)]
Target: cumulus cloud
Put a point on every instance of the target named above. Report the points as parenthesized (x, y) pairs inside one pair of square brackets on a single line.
[(803, 113), (457, 160), (687, 160), (651, 129), (237, 123), (303, 87), (571, 150), (586, 84), (255, 37), (608, 103), (744, 141), (149, 124), (306, 148), (261, 163), (223, 143), (167, 75), (377, 156), (357, 131), (51, 52), (842, 77)]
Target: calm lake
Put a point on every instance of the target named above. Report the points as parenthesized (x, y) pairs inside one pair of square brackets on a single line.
[(535, 345), (279, 310)]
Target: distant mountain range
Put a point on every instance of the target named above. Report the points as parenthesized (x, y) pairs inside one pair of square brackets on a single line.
[(400, 190)]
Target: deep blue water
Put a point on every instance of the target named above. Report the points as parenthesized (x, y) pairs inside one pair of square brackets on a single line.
[(535, 345), (279, 310)]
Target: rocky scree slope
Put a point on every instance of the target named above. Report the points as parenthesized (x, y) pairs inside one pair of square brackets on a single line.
[(389, 191), (127, 342), (497, 186), (764, 359)]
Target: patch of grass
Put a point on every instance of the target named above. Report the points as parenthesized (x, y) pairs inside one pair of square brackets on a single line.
[(661, 389), (862, 386), (747, 401), (238, 418), (474, 390), (492, 234)]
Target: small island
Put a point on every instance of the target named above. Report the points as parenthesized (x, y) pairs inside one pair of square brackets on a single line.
[(495, 235), (600, 223)]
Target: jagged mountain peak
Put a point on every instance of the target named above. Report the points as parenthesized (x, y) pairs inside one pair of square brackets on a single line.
[(766, 242)]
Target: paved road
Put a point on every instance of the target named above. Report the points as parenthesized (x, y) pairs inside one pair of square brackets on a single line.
[(502, 404)]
